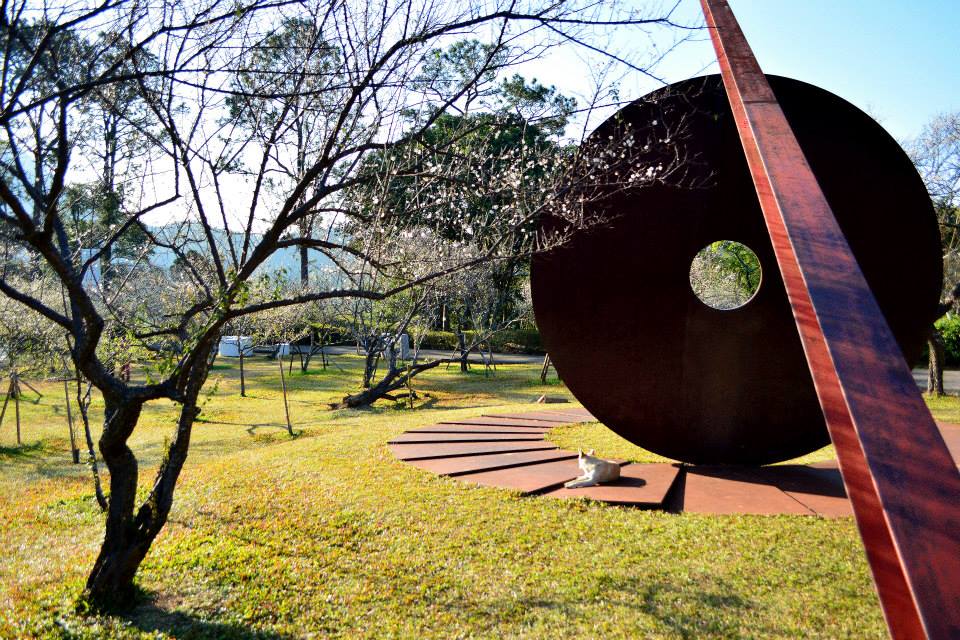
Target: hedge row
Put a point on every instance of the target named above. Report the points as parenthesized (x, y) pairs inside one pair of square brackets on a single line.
[(508, 341)]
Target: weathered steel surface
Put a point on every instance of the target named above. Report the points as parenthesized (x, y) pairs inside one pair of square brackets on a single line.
[(729, 489), (411, 437), (903, 484), (576, 416), (451, 449), (692, 383), (951, 435), (640, 485), (810, 489), (527, 479), (501, 422), (580, 414), (715, 490), (820, 489), (538, 416), (477, 428), (471, 464)]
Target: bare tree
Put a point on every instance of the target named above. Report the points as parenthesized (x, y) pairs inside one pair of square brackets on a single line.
[(489, 302), (936, 153), (206, 198), (278, 326), (377, 327)]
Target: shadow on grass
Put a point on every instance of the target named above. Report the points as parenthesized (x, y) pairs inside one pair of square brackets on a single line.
[(687, 611), (47, 458), (23, 451), (694, 614), (151, 618)]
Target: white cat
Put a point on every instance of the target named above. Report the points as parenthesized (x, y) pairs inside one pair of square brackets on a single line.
[(595, 470)]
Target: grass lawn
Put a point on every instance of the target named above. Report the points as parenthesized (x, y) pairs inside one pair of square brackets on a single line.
[(327, 535)]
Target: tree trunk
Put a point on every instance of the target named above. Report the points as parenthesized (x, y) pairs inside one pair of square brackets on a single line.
[(462, 348), (370, 364), (16, 404), (305, 362), (6, 401), (937, 350), (243, 381), (304, 267), (546, 369), (394, 380), (110, 583), (83, 404), (74, 450), (106, 267), (283, 386), (128, 537)]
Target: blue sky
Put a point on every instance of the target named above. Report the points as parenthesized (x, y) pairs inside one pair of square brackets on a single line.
[(899, 60)]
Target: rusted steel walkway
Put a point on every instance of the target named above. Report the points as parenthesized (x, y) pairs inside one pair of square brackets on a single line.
[(510, 451)]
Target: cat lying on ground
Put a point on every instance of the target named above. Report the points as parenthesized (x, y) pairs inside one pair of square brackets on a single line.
[(595, 470)]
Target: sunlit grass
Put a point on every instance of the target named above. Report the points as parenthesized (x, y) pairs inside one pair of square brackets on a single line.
[(326, 534)]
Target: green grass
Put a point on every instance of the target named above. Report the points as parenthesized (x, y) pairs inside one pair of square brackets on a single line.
[(327, 535)]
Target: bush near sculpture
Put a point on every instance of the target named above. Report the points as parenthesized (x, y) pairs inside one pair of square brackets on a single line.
[(949, 328)]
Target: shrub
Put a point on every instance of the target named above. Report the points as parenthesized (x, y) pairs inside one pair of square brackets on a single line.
[(518, 340), (949, 327), (441, 340)]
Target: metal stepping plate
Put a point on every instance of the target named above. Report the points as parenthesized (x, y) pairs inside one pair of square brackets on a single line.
[(472, 464), (719, 490), (477, 428), (951, 435), (532, 478), (503, 422), (509, 451), (409, 438), (449, 449), (577, 416), (538, 416), (640, 485)]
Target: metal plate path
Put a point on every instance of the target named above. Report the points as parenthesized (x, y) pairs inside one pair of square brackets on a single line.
[(539, 467)]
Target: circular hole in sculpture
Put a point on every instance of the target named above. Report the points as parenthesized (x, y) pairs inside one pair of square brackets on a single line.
[(725, 275)]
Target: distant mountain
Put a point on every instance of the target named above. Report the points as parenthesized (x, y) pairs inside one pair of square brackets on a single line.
[(193, 238)]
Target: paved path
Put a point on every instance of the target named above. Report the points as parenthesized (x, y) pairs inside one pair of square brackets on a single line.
[(951, 380)]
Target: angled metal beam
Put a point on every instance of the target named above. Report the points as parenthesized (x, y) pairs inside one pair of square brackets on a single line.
[(900, 477)]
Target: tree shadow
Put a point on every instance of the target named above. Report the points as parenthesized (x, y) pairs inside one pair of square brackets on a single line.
[(31, 450), (152, 618), (688, 611), (253, 428), (43, 458)]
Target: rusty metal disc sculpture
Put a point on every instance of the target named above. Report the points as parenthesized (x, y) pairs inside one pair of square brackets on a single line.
[(693, 383)]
